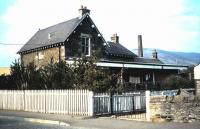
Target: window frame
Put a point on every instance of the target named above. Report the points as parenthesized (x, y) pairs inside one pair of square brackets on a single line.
[(40, 55), (87, 44)]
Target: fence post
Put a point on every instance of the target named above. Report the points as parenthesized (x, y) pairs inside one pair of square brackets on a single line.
[(24, 99), (147, 94), (90, 103), (111, 102)]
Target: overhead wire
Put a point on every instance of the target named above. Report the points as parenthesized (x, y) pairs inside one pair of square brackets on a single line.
[(1, 43)]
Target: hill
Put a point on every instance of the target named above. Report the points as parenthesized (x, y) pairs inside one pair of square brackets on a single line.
[(171, 57)]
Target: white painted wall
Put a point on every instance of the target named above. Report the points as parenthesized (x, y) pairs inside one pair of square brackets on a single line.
[(197, 72)]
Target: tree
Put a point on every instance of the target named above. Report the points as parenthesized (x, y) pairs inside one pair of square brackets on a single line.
[(6, 82), (33, 77), (47, 75), (18, 75), (26, 77), (82, 74), (87, 75), (57, 76), (63, 76)]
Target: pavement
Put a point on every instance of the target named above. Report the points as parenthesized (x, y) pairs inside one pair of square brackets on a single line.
[(9, 122), (85, 122)]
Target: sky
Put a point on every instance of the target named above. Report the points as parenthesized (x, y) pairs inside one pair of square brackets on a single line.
[(172, 25)]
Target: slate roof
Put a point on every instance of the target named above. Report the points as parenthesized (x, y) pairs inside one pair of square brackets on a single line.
[(59, 33), (147, 60), (118, 49)]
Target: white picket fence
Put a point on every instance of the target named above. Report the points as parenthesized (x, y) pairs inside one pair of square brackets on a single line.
[(72, 102)]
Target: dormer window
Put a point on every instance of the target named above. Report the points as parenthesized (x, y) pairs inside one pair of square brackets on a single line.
[(85, 45), (49, 36)]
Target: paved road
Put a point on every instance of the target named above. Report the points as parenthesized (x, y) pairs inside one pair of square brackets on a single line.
[(13, 123), (88, 123), (105, 123)]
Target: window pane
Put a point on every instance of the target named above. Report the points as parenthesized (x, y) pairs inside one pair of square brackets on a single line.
[(87, 41), (85, 45), (83, 49), (86, 50)]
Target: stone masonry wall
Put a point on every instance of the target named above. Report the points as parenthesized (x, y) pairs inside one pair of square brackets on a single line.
[(48, 55), (197, 86), (156, 106), (178, 108)]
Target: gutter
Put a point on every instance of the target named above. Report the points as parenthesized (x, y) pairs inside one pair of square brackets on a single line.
[(118, 64), (141, 65)]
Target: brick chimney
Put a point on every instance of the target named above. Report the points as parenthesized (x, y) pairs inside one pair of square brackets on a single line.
[(155, 54), (140, 48), (115, 38), (83, 10)]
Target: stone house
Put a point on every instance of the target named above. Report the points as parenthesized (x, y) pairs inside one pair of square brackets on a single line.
[(80, 37)]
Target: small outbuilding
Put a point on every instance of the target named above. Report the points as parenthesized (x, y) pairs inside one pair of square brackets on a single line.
[(197, 78)]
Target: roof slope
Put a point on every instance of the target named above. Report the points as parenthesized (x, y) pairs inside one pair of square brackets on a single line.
[(147, 60), (58, 32), (118, 49)]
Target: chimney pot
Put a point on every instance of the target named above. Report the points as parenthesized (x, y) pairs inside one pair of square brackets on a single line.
[(155, 54), (83, 10), (140, 47), (115, 38)]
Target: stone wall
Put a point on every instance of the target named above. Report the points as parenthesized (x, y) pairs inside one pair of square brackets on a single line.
[(51, 54), (197, 87), (179, 108), (156, 106)]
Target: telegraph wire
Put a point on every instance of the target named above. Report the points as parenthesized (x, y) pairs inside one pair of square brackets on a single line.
[(9, 44)]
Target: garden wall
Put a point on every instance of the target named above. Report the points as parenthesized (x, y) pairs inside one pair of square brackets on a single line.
[(181, 108)]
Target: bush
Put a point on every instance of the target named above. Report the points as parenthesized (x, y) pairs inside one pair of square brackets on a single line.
[(57, 76), (28, 77), (82, 74), (176, 82), (6, 82)]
